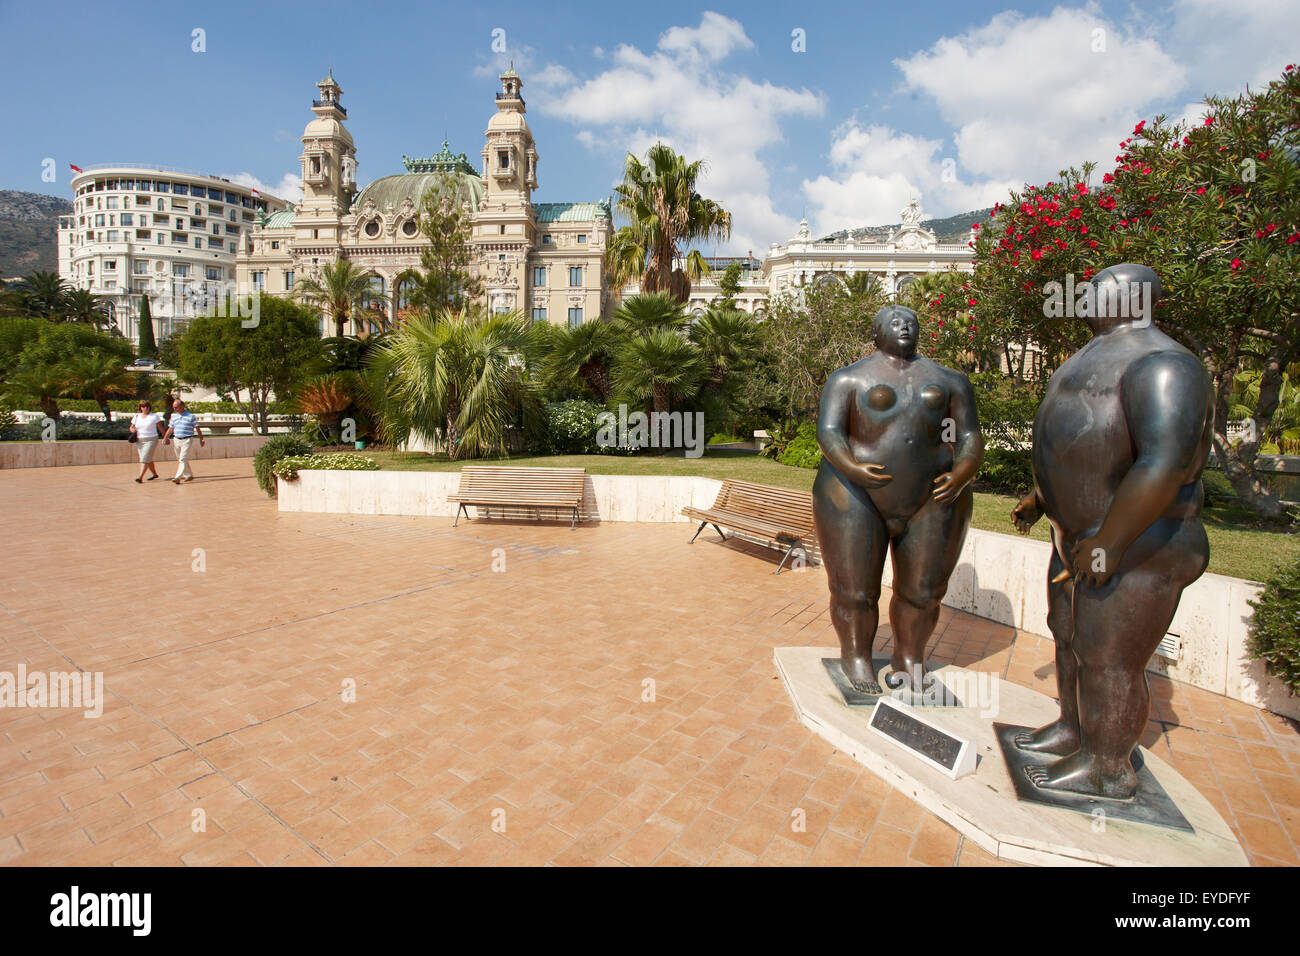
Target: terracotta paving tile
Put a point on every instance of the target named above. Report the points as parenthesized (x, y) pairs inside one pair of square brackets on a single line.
[(465, 745)]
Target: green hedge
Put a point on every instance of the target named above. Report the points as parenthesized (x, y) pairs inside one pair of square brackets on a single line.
[(275, 448), (130, 405), (1275, 626), (69, 428)]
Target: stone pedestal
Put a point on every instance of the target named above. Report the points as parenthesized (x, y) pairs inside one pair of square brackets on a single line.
[(984, 806)]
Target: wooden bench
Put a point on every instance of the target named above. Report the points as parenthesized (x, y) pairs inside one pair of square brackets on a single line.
[(782, 516), (487, 486)]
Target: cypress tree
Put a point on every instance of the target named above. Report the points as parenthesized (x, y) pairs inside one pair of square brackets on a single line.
[(148, 347)]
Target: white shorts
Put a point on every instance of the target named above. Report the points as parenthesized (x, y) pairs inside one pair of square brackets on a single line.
[(146, 449)]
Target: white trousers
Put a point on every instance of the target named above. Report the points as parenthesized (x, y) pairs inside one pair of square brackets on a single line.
[(183, 457)]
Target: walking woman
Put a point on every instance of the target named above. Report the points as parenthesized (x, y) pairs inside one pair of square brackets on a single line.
[(145, 425)]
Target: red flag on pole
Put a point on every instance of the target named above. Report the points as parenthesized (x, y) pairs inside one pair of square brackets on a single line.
[(75, 169)]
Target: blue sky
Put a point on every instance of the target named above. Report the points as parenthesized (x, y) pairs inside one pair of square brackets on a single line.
[(951, 102)]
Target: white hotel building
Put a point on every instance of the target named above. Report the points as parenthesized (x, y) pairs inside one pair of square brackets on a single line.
[(171, 234)]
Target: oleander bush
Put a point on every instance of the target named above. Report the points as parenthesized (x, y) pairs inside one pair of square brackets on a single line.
[(288, 468), (7, 420), (1275, 626), (278, 447)]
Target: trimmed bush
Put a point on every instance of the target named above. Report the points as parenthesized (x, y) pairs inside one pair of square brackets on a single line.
[(1275, 626), (277, 447), (1008, 471), (288, 468), (7, 420)]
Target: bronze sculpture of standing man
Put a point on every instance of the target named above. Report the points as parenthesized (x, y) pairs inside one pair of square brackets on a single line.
[(901, 443), (1120, 439)]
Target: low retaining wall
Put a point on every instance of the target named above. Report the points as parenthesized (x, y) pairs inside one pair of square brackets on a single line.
[(1001, 577), (41, 454)]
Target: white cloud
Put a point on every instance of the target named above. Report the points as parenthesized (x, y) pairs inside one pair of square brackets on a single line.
[(289, 188), (877, 170), (1027, 96), (1230, 44), (678, 93)]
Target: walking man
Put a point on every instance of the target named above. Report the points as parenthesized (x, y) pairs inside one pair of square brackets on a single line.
[(183, 426)]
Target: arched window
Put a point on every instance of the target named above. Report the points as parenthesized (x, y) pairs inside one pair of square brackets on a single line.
[(373, 301), (405, 292)]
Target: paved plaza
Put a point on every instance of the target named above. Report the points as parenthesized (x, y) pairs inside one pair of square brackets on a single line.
[(523, 694)]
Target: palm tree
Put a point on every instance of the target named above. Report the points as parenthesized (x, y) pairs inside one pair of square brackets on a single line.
[(44, 294), (657, 365), (42, 383), (326, 398), (863, 283), (587, 350), (98, 373), (727, 340), (342, 290), (456, 377), (659, 199), (645, 313), (81, 306)]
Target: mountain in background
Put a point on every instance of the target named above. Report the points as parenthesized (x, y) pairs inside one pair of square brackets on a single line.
[(953, 229), (29, 230)]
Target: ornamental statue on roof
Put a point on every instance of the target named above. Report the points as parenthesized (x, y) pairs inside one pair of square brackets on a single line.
[(441, 162)]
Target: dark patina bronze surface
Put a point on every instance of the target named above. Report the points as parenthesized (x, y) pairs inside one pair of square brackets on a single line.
[(1120, 439), (1151, 804), (901, 443)]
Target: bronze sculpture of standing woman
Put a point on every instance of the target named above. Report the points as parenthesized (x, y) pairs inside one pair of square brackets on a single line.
[(901, 443)]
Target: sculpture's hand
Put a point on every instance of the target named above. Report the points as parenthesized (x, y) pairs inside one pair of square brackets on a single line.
[(1095, 559), (946, 488), (1026, 513), (872, 476)]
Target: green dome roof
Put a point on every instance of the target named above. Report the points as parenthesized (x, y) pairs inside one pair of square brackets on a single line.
[(394, 189), (282, 219)]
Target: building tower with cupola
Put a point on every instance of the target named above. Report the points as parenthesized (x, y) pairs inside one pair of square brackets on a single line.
[(504, 229), (329, 169), (545, 259)]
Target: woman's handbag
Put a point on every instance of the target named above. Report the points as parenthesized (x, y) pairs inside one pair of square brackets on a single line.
[(132, 438)]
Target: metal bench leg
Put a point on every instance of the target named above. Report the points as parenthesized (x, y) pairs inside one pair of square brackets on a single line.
[(573, 522), (719, 530), (459, 509), (786, 558), (703, 525)]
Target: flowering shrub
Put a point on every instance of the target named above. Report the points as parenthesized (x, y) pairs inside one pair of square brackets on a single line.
[(288, 468), (571, 427)]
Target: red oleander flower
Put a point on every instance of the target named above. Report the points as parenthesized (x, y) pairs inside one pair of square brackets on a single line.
[(1209, 121), (1201, 190), (1108, 178), (1236, 264)]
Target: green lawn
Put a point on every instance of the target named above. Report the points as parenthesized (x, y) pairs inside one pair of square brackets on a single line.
[(1237, 547)]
